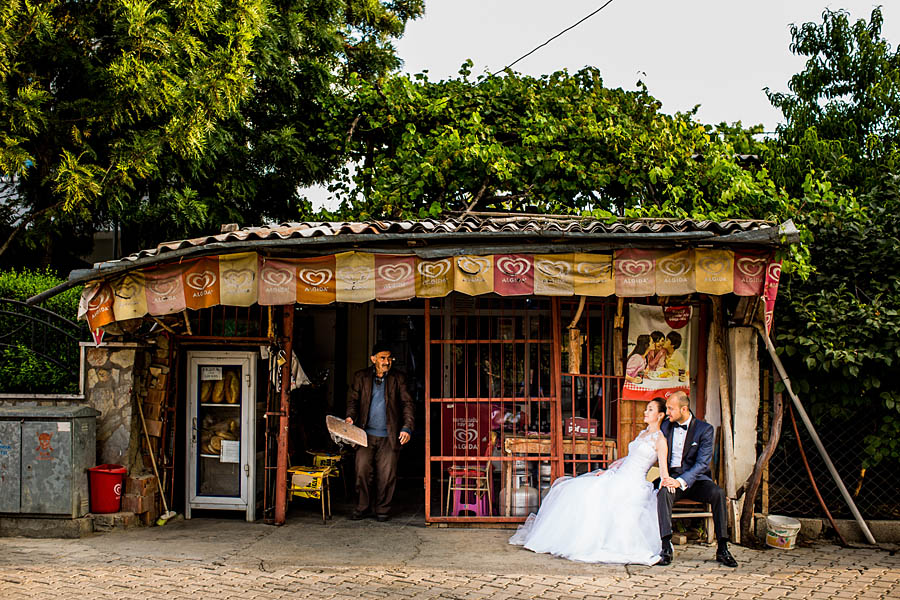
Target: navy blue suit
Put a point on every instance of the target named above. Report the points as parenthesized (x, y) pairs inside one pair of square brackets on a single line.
[(698, 450)]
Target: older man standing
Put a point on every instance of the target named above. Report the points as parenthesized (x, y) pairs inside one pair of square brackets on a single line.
[(380, 404)]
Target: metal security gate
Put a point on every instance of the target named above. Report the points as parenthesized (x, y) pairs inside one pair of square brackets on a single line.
[(502, 418), (590, 386)]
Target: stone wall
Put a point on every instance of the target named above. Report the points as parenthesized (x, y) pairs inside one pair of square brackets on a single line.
[(109, 373)]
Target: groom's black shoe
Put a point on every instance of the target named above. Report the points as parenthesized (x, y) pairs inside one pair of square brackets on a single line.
[(724, 556), (666, 554)]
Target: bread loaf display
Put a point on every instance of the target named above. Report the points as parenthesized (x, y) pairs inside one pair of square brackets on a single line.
[(214, 431), (232, 388), (218, 392), (206, 388)]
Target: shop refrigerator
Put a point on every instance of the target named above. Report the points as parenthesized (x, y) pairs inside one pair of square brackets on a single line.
[(221, 432)]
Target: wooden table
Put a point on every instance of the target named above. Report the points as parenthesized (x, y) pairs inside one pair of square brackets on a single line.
[(541, 445)]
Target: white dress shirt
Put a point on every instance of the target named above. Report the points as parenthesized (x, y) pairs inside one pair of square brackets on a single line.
[(678, 437)]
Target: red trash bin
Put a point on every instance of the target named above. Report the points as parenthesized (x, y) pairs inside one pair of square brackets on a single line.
[(106, 487)]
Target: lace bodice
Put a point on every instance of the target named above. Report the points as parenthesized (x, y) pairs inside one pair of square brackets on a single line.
[(641, 455)]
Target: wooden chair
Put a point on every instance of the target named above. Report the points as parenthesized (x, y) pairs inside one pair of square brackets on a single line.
[(690, 509)]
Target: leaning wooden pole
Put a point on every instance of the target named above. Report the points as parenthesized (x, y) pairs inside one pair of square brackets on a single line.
[(718, 331), (718, 327), (815, 438), (752, 484)]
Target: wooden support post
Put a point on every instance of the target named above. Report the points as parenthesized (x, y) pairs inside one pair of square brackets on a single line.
[(287, 332), (557, 467), (718, 331), (427, 362), (766, 391), (618, 340)]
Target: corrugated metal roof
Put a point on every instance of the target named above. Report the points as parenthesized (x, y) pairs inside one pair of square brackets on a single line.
[(431, 238), (513, 225)]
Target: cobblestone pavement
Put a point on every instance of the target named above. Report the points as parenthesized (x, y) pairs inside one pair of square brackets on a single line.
[(224, 559)]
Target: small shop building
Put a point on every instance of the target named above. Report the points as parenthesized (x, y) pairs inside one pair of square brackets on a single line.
[(531, 344)]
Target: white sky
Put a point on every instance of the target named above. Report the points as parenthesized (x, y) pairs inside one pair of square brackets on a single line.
[(719, 54)]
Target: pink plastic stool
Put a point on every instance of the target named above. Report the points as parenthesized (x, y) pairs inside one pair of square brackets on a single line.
[(470, 488)]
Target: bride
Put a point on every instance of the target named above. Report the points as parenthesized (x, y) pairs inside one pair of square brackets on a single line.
[(605, 516)]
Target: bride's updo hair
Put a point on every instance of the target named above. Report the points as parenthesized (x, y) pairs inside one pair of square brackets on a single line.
[(660, 404)]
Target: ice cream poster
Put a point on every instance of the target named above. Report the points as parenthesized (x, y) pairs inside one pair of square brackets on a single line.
[(658, 357)]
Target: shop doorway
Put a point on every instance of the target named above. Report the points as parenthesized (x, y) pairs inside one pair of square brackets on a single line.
[(402, 329)]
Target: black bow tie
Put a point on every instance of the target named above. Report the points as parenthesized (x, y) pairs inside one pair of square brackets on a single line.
[(679, 426)]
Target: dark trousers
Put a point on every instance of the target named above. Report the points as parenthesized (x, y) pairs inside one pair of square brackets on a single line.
[(701, 491), (377, 463)]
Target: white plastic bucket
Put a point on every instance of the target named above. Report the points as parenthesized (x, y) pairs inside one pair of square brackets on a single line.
[(781, 532)]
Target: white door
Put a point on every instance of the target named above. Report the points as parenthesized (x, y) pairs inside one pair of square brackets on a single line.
[(221, 431)]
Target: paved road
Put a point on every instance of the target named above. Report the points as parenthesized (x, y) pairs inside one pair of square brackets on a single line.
[(221, 559)]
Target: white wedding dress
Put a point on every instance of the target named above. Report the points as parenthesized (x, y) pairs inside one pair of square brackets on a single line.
[(608, 517)]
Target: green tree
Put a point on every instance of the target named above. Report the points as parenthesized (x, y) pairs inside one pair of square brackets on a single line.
[(837, 151), (171, 116), (291, 130), (560, 143), (94, 94), (842, 115)]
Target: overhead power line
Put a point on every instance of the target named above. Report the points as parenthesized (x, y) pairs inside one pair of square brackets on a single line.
[(563, 32)]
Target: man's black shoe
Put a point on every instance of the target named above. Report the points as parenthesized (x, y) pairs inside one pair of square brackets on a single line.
[(724, 556), (666, 555), (359, 516), (382, 518)]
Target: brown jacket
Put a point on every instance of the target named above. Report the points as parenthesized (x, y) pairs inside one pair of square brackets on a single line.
[(399, 410)]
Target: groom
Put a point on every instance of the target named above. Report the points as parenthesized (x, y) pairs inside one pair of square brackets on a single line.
[(690, 452)]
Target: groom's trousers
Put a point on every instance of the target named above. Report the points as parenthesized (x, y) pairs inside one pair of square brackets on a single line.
[(702, 491)]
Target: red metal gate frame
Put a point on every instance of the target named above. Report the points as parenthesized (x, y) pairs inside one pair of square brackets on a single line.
[(555, 457)]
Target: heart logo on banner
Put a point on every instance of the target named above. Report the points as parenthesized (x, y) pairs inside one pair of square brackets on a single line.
[(473, 266), (315, 277), (127, 291), (395, 273), (551, 268), (713, 266), (433, 270), (775, 272), (100, 298), (597, 272), (276, 277), (751, 267), (635, 267), (235, 279), (465, 436), (355, 275), (163, 287), (674, 267), (514, 267), (201, 281)]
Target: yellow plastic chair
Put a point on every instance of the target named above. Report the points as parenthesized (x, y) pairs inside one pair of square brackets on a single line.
[(311, 482), (333, 460)]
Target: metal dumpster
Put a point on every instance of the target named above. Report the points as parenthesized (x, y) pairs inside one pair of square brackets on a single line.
[(45, 452)]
